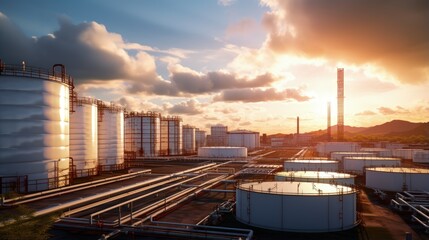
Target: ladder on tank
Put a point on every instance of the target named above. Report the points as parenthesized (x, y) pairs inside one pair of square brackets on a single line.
[(341, 212)]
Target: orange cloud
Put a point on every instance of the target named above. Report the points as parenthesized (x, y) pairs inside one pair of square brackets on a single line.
[(393, 36)]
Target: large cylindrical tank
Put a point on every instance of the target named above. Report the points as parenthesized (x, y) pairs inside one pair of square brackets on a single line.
[(296, 206), (84, 136), (340, 155), (357, 165), (110, 136), (188, 139), (171, 135), (316, 176), (421, 156), (311, 165), (324, 149), (404, 153), (222, 152), (200, 138), (398, 179), (143, 133), (243, 138), (381, 152), (34, 126), (218, 135)]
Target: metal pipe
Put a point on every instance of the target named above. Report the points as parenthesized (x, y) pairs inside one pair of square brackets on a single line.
[(68, 189), (199, 226), (68, 213), (142, 196), (105, 194), (177, 195)]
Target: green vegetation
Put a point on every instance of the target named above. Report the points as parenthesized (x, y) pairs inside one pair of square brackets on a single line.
[(399, 139), (25, 226)]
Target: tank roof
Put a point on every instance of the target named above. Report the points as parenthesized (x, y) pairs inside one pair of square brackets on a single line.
[(399, 170), (357, 153), (374, 158), (222, 147), (296, 188), (311, 161), (315, 174), (242, 131)]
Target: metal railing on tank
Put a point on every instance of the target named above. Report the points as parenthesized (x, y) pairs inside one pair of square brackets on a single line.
[(35, 72)]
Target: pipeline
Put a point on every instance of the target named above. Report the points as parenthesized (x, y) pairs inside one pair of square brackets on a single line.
[(116, 191), (141, 197), (68, 189)]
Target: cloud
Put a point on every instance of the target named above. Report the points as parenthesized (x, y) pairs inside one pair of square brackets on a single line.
[(88, 51), (225, 2), (260, 95), (188, 81), (137, 104), (370, 85), (240, 28), (392, 37), (391, 111), (366, 113), (190, 107)]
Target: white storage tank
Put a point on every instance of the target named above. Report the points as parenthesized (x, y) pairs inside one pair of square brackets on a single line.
[(110, 136), (339, 156), (200, 138), (358, 164), (188, 139), (34, 126), (218, 135), (421, 156), (316, 176), (84, 136), (296, 206), (398, 179), (381, 152), (171, 135), (142, 133), (222, 152), (404, 153), (311, 165), (243, 138), (324, 149)]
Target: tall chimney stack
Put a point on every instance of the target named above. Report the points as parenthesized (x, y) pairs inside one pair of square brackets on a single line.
[(340, 101), (297, 130), (328, 128)]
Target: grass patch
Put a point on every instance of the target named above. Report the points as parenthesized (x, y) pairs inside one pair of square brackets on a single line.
[(26, 226), (378, 233)]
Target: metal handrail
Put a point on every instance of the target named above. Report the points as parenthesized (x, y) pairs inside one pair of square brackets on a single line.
[(34, 72)]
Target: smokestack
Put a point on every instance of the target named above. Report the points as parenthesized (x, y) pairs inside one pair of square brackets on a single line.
[(328, 128), (340, 101), (297, 130)]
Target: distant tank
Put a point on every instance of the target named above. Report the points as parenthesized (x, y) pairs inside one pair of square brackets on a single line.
[(110, 136), (84, 136)]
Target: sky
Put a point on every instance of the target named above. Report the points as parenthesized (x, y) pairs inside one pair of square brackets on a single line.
[(247, 64)]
